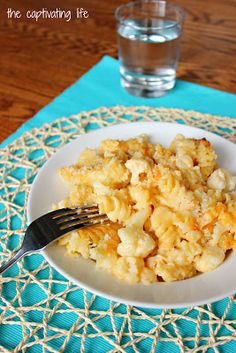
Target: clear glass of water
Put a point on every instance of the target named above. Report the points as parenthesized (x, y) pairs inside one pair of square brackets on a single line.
[(149, 41)]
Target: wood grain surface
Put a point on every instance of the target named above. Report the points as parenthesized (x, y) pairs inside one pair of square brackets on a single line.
[(40, 59)]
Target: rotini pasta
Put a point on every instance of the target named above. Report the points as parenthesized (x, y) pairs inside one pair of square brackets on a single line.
[(115, 207), (172, 210)]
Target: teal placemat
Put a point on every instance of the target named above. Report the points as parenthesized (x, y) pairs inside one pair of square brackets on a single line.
[(40, 310)]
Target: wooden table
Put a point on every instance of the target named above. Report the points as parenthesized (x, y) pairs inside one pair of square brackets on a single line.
[(40, 59)]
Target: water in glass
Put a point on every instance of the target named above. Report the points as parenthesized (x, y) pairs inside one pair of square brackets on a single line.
[(148, 58)]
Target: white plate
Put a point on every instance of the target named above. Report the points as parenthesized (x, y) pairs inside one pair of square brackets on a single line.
[(48, 189)]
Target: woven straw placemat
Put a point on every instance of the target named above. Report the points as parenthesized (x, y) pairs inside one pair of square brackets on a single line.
[(43, 312)]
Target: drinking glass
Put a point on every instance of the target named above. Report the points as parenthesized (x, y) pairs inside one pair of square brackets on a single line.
[(149, 35)]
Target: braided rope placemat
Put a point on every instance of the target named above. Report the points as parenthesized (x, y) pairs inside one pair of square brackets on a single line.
[(41, 311)]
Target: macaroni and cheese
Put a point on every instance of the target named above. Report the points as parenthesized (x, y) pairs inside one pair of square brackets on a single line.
[(172, 211)]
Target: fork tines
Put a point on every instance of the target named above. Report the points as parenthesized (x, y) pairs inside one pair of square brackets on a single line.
[(72, 211), (80, 217)]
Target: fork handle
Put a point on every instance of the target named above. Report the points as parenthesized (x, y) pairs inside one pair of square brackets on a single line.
[(14, 259)]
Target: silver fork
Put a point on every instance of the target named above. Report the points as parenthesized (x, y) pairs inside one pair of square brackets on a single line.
[(53, 225)]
